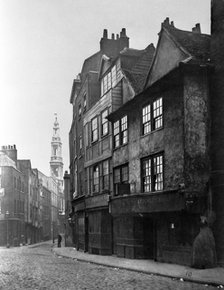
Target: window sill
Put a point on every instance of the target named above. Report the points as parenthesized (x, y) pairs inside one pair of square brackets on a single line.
[(94, 142), (104, 136), (154, 131)]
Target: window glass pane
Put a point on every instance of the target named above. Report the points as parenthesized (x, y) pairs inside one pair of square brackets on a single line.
[(158, 172), (116, 134), (146, 119), (106, 174), (94, 128), (114, 76), (146, 175), (96, 178), (124, 130), (124, 174), (117, 175), (104, 122), (158, 113)]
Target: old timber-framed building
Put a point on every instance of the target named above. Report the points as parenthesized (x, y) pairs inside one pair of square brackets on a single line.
[(167, 153), (151, 172)]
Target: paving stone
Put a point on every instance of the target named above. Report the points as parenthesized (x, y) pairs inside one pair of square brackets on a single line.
[(38, 268)]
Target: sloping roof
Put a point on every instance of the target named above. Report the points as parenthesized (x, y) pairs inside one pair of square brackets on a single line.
[(6, 161), (92, 63), (138, 72), (196, 44)]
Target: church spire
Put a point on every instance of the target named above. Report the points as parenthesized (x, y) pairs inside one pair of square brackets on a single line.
[(56, 163)]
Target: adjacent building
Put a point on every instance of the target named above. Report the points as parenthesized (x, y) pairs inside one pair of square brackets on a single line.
[(13, 198), (32, 206)]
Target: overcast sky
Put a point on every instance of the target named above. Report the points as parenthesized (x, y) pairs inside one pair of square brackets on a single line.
[(43, 44)]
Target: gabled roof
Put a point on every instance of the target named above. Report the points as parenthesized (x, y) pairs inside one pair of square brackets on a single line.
[(177, 46), (137, 74), (196, 44), (92, 63), (6, 161)]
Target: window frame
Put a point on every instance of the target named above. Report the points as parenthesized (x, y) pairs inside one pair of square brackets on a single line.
[(106, 83), (120, 170), (151, 115), (94, 130), (156, 178), (106, 175), (121, 136), (105, 123), (96, 178)]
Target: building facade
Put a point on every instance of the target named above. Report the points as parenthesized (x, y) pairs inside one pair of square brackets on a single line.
[(89, 231), (165, 159), (13, 200), (141, 182)]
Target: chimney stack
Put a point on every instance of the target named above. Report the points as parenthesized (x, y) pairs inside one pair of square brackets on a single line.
[(10, 151), (112, 47)]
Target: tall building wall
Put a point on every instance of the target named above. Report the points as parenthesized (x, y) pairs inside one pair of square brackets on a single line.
[(217, 121)]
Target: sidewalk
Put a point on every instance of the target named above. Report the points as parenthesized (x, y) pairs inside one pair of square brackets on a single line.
[(208, 276)]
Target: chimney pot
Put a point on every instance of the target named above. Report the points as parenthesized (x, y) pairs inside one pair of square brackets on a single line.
[(123, 32), (117, 36), (112, 35), (172, 23), (105, 33)]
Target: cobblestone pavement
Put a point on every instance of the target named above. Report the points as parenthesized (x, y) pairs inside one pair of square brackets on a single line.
[(38, 268)]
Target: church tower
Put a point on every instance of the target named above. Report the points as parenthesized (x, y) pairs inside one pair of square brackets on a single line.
[(56, 163)]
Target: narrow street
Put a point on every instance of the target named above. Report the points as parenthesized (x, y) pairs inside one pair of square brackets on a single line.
[(39, 268)]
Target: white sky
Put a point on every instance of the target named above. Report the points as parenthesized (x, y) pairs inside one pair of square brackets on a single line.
[(43, 44)]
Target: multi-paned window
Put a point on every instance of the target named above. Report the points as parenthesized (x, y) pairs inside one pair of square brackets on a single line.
[(152, 173), (105, 124), (120, 175), (106, 83), (96, 178), (152, 116), (94, 129), (105, 174), (115, 74), (117, 134), (146, 119), (121, 132), (158, 114)]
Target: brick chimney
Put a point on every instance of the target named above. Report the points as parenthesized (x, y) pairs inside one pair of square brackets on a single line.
[(10, 151), (111, 46), (217, 122)]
